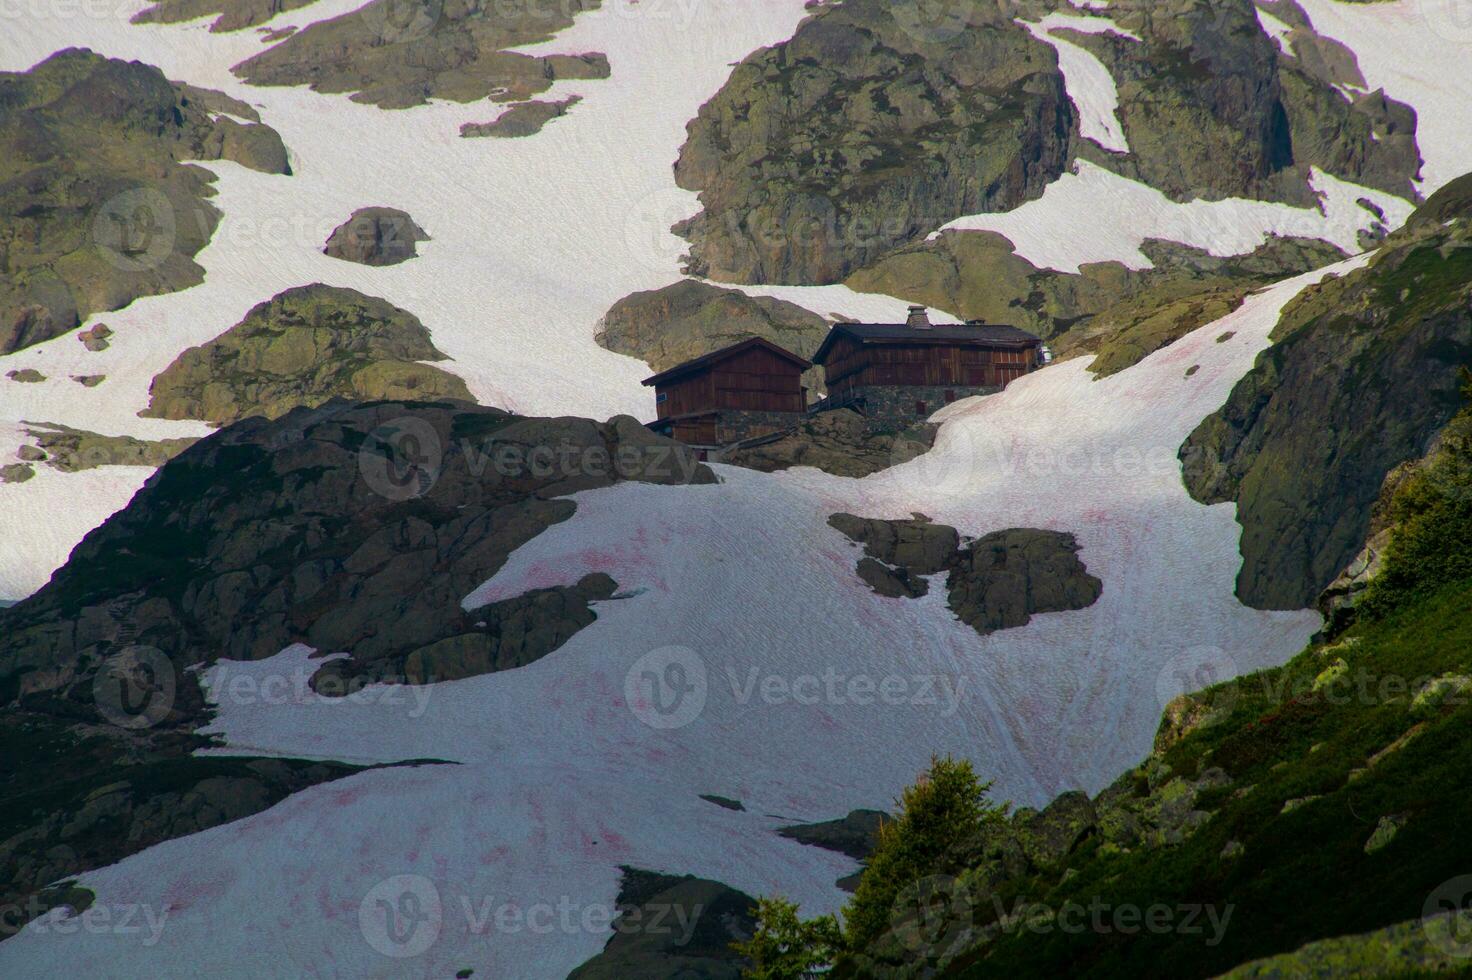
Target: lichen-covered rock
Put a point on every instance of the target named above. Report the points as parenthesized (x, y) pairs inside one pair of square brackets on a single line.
[(839, 441), (347, 527), (687, 319), (72, 450), (302, 348), (28, 376), (233, 15), (857, 136), (919, 545), (1106, 308), (96, 207), (1005, 578), (395, 55), (700, 920), (376, 236), (16, 472), (1421, 947), (1050, 836), (1361, 378), (521, 120)]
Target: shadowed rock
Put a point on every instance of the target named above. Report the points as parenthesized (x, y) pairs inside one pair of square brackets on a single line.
[(376, 236)]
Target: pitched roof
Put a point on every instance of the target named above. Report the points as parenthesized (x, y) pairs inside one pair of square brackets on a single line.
[(716, 356), (969, 334)]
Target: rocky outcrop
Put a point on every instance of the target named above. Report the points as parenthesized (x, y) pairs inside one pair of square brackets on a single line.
[(673, 927), (858, 136), (522, 119), (1106, 308), (376, 236), (396, 55), (855, 835), (345, 527), (1362, 375), (1005, 578), (302, 348), (27, 376), (96, 208), (1211, 108), (999, 581), (679, 322), (73, 450), (233, 15), (840, 441)]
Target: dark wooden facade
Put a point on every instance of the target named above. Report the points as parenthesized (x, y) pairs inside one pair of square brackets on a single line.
[(972, 356), (748, 379)]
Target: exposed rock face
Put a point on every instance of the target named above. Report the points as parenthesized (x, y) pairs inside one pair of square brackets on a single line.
[(234, 15), (671, 927), (26, 376), (303, 347), (376, 236), (669, 326), (522, 119), (96, 209), (72, 450), (998, 581), (397, 55), (1211, 108), (840, 442), (855, 835), (345, 527), (857, 136), (1003, 579), (1106, 308), (1361, 377)]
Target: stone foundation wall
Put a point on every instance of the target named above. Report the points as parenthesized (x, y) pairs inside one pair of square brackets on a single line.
[(902, 403), (733, 425)]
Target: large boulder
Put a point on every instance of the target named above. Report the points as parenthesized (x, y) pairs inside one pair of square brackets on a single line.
[(376, 236)]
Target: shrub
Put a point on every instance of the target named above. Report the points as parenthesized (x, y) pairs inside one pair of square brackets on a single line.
[(787, 948), (944, 808)]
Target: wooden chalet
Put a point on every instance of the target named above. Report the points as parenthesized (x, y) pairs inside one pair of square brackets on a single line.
[(910, 369), (749, 389)]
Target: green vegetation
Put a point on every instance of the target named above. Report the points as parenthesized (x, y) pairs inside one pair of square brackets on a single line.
[(1432, 511), (949, 803)]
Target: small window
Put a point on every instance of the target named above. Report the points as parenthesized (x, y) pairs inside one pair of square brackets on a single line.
[(919, 408), (661, 398)]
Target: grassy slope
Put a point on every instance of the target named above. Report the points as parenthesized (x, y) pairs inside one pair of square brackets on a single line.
[(1303, 875)]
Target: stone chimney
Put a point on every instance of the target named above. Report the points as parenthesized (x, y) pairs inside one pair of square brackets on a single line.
[(918, 319)]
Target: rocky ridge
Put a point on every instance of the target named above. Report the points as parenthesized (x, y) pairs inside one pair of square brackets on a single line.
[(97, 207)]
